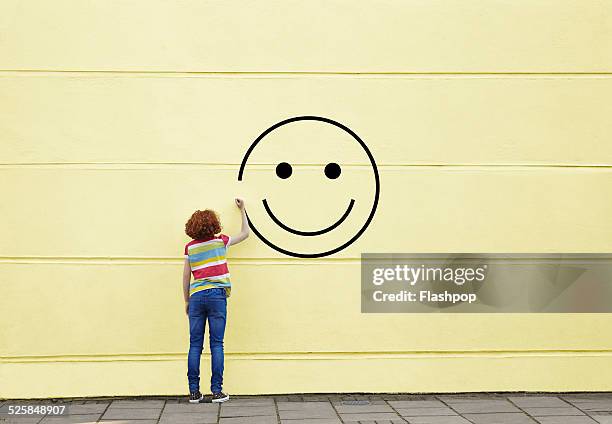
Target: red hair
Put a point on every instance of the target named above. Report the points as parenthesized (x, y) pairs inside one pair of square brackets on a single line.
[(203, 224)]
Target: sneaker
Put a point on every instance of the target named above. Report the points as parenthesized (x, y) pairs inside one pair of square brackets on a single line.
[(219, 397), (196, 397)]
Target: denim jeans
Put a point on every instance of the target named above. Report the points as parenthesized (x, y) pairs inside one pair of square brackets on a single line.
[(211, 305)]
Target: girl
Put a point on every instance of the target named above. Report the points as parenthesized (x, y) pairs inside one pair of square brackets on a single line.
[(206, 297)]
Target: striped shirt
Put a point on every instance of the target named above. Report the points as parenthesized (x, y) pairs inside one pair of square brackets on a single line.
[(207, 259)]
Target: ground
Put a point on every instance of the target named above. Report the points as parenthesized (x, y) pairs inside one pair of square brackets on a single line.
[(481, 408)]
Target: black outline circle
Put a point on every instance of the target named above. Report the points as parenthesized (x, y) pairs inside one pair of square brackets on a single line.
[(376, 179)]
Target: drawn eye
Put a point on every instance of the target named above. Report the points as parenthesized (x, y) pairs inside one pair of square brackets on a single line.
[(332, 170), (283, 170)]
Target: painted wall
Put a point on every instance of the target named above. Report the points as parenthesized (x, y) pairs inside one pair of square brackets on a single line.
[(490, 122)]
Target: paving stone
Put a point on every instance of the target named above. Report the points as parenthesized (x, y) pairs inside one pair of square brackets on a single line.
[(71, 419), (246, 411), (593, 405), (20, 420), (87, 408), (352, 409), (538, 401), (542, 412), (298, 406), (131, 414), (416, 404), (191, 407), (307, 413), (128, 421), (587, 396), (438, 420), (188, 418), (361, 402), (501, 418), (373, 398), (400, 421), (410, 397), (376, 416), (250, 401), (588, 400), (145, 403), (249, 420), (471, 397), (566, 420), (484, 406), (313, 421), (416, 412), (315, 398)]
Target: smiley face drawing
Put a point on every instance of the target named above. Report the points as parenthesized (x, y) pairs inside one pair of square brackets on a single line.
[(323, 191)]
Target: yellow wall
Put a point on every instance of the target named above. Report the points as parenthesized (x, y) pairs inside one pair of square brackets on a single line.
[(489, 120)]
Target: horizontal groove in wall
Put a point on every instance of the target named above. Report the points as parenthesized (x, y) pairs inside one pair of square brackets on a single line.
[(114, 260), (137, 166), (259, 74), (280, 356)]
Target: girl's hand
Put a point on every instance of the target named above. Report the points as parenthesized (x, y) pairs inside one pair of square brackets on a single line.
[(187, 308), (240, 203)]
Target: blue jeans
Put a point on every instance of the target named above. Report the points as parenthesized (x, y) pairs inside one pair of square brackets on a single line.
[(211, 305)]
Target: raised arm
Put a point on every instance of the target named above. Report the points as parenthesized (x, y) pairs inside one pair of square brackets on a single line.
[(244, 231)]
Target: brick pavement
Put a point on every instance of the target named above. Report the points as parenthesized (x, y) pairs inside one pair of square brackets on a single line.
[(480, 408)]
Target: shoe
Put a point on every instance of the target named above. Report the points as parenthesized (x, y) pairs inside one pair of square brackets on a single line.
[(196, 397), (219, 397)]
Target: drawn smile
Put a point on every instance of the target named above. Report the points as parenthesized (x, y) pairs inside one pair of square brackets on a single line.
[(308, 233)]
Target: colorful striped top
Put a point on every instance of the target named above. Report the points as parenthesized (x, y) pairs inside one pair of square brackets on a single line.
[(207, 259)]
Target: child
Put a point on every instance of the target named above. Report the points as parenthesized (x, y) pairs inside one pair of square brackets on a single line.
[(206, 296)]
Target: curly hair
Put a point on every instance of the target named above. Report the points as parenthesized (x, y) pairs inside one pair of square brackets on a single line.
[(203, 225)]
